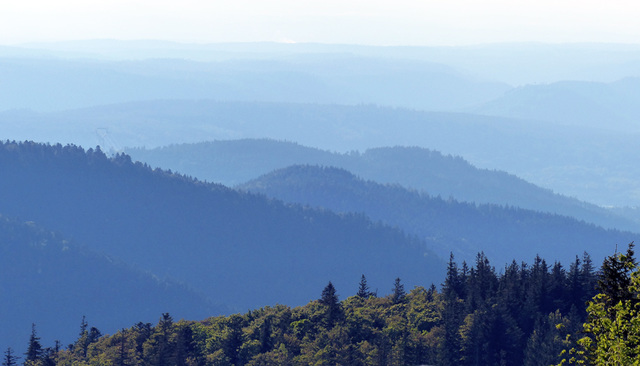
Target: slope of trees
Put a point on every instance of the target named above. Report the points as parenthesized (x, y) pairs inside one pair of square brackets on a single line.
[(238, 249), (51, 280), (426, 170), (503, 233), (611, 334), (479, 317)]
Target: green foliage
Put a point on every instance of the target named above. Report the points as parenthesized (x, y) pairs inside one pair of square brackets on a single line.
[(460, 325), (612, 330)]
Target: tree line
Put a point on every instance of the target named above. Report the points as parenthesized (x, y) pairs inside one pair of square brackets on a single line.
[(523, 314)]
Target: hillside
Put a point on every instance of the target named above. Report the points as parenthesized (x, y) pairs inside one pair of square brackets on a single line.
[(237, 161), (527, 63), (51, 281), (587, 163), (502, 233), (238, 249), (578, 103), (501, 317), (57, 83)]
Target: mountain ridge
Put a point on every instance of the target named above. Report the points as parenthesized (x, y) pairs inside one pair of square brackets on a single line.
[(239, 249), (237, 161), (503, 233)]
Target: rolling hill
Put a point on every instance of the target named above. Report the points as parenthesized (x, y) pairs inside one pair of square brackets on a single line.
[(235, 162), (590, 164), (502, 233), (59, 83), (578, 103), (241, 250), (52, 281)]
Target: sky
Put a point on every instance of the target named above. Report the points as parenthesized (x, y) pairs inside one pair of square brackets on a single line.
[(372, 22)]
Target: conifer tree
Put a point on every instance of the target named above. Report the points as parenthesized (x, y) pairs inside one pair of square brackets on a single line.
[(34, 351), (452, 315), (363, 289), (613, 325), (398, 296), (9, 359), (616, 276), (82, 344), (122, 351), (330, 300)]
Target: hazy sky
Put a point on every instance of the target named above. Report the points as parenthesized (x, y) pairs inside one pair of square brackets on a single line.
[(390, 22)]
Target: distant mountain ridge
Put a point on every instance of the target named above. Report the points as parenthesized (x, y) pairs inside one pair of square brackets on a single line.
[(591, 164), (526, 63), (503, 233), (55, 84), (238, 249), (597, 105), (237, 161)]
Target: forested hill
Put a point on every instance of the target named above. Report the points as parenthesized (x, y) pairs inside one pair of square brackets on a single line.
[(238, 161), (239, 249), (52, 282), (503, 233), (519, 316)]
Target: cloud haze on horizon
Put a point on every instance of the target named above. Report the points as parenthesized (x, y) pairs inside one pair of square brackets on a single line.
[(403, 22)]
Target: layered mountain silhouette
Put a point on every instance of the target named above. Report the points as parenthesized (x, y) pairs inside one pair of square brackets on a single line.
[(237, 249), (237, 161), (465, 229), (589, 163), (578, 103)]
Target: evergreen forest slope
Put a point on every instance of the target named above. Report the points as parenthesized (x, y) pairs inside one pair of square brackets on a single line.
[(237, 161), (238, 249), (521, 315), (465, 229), (52, 282)]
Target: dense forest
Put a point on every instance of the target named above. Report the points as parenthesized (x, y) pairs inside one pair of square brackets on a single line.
[(481, 314), (447, 225), (395, 230), (234, 249), (516, 315), (49, 279)]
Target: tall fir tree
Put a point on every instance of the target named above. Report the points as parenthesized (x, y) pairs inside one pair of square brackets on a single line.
[(10, 358), (82, 344), (34, 350), (398, 295), (363, 288), (452, 315), (615, 279), (330, 299)]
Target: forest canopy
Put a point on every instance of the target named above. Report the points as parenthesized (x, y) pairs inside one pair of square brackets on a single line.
[(519, 315)]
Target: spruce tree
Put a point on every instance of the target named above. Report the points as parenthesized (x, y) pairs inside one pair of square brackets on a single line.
[(9, 359), (615, 279), (363, 289), (398, 296), (34, 351), (453, 291), (82, 344), (330, 300)]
